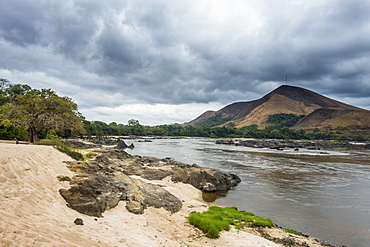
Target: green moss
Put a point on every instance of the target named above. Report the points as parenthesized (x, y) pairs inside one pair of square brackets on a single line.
[(92, 154), (216, 219), (292, 231)]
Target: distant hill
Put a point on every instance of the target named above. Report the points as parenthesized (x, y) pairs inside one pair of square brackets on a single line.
[(320, 111)]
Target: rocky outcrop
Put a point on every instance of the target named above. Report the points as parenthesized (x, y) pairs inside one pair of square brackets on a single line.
[(204, 179), (102, 183), (94, 192), (156, 196), (207, 180), (122, 145), (295, 144)]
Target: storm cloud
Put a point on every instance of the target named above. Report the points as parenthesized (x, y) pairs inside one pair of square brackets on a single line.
[(169, 61)]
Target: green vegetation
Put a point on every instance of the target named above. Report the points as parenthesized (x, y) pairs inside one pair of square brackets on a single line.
[(97, 128), (36, 112), (216, 219), (283, 120), (292, 231), (62, 147), (217, 119)]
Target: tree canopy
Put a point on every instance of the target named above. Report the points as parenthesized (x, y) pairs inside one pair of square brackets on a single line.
[(38, 110), (283, 119), (218, 119)]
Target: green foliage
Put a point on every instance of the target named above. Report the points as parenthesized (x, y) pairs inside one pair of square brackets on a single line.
[(216, 219), (292, 231), (39, 110), (97, 128), (283, 119), (217, 119), (52, 135), (62, 147)]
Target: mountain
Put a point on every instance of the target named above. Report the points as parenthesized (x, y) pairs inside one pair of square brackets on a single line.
[(319, 111)]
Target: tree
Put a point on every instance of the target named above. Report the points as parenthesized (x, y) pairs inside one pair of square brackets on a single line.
[(38, 110), (136, 127), (283, 119)]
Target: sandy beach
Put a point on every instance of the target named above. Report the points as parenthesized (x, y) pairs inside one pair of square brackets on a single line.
[(33, 213)]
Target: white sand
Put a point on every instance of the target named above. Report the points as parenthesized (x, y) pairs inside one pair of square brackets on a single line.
[(32, 212)]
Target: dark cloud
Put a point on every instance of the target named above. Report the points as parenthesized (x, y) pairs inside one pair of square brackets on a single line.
[(109, 54)]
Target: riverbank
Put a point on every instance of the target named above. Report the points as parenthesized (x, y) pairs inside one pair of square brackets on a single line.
[(34, 213)]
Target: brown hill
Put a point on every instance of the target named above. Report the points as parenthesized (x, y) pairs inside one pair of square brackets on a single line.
[(320, 111)]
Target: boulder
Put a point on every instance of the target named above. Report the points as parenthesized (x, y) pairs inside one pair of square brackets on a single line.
[(95, 191), (101, 184), (156, 196), (86, 200), (79, 221), (206, 179), (135, 207), (121, 145)]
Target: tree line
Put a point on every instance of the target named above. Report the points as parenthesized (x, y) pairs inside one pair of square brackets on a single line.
[(97, 128), (30, 114)]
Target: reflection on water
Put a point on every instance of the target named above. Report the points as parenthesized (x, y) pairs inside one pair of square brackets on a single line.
[(324, 195), (213, 196)]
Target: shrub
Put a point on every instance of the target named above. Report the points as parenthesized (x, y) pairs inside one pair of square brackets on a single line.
[(216, 219)]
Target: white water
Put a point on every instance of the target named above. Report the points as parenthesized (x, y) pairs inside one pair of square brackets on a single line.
[(326, 196)]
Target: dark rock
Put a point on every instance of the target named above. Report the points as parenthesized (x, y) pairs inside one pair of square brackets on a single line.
[(309, 144), (100, 185), (156, 196), (100, 189), (121, 145), (206, 179), (63, 178), (116, 154), (79, 221), (83, 200), (145, 140)]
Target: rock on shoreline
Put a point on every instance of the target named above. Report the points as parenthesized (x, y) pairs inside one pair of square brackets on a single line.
[(102, 183), (296, 144)]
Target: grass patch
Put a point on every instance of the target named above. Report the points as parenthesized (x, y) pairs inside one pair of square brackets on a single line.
[(92, 154), (62, 147), (292, 231), (216, 219)]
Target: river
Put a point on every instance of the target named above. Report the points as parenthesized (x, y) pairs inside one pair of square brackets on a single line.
[(326, 196)]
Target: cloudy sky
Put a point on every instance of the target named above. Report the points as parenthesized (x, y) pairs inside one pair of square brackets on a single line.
[(168, 61)]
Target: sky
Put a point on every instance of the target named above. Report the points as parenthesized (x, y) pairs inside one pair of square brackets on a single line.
[(165, 62)]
